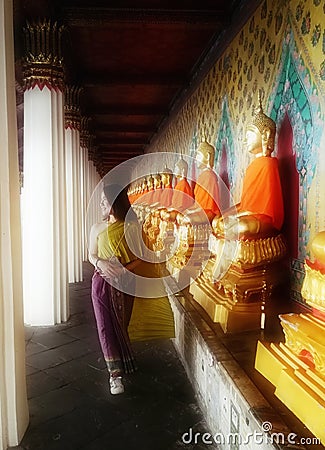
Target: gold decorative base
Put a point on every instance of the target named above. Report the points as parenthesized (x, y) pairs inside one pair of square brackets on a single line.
[(232, 317), (305, 335), (236, 300), (313, 288), (300, 387)]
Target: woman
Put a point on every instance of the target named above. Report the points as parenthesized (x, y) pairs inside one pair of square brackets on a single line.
[(112, 307)]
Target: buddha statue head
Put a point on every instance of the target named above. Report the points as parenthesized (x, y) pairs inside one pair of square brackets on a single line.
[(181, 168), (260, 134), (167, 177), (205, 154), (318, 247)]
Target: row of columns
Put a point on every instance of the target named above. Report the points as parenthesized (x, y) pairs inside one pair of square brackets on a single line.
[(13, 399), (58, 179), (42, 231)]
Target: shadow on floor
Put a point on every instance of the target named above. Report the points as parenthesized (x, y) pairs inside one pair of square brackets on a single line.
[(69, 401)]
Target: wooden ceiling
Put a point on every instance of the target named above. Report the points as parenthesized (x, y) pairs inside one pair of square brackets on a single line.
[(133, 60)]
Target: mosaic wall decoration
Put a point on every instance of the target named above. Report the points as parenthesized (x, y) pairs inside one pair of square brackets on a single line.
[(225, 138), (298, 96), (279, 53), (192, 169), (291, 99), (308, 20)]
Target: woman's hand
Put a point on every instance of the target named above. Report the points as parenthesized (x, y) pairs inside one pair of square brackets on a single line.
[(111, 268)]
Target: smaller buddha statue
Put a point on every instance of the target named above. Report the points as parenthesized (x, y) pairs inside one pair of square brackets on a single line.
[(144, 186), (157, 181), (183, 194), (148, 196), (140, 200), (131, 194), (313, 289), (167, 184), (157, 193), (206, 191)]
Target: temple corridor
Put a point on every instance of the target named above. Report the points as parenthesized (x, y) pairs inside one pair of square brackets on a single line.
[(70, 404), (177, 148), (68, 395)]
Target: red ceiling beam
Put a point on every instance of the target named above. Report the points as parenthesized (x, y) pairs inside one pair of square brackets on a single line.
[(92, 16), (127, 110), (125, 128), (96, 80)]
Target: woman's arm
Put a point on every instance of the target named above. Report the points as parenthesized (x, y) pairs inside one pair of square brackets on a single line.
[(93, 258), (93, 244)]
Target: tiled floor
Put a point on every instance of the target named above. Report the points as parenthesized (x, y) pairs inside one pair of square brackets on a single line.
[(69, 402)]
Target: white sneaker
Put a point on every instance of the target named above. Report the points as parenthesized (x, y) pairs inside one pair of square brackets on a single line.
[(116, 385)]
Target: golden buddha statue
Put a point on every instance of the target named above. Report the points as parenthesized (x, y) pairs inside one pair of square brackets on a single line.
[(147, 197), (183, 193), (157, 181), (206, 191), (167, 184), (193, 224), (144, 186), (313, 289), (260, 209), (246, 243), (155, 191)]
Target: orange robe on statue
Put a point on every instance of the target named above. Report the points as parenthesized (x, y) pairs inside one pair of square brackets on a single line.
[(167, 196), (181, 201), (206, 193), (156, 196), (262, 193), (147, 196)]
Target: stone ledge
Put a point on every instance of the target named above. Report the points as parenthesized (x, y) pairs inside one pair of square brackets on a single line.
[(227, 396)]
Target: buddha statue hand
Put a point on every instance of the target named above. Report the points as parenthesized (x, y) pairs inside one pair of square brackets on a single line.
[(218, 225), (242, 225), (183, 219), (225, 226)]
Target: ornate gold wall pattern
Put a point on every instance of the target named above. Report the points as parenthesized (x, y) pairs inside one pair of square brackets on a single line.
[(247, 66)]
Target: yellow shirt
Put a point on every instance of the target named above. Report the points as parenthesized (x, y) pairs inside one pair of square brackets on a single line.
[(116, 240)]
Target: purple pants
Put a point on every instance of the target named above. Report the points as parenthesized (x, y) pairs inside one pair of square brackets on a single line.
[(113, 310)]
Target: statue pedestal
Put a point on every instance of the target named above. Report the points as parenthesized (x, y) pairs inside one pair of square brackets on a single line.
[(189, 251), (297, 367), (237, 299), (300, 386), (232, 318)]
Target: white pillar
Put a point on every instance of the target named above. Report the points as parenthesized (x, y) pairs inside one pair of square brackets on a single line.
[(93, 213), (13, 399), (73, 162), (43, 194), (85, 139), (83, 151)]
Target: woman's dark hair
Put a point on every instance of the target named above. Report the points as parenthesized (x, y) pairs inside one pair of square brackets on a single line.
[(118, 199)]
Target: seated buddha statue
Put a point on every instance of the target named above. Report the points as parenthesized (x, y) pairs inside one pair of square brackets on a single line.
[(183, 193), (206, 191), (247, 237), (156, 191), (193, 224), (313, 289), (148, 195), (260, 210), (167, 184), (131, 194)]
